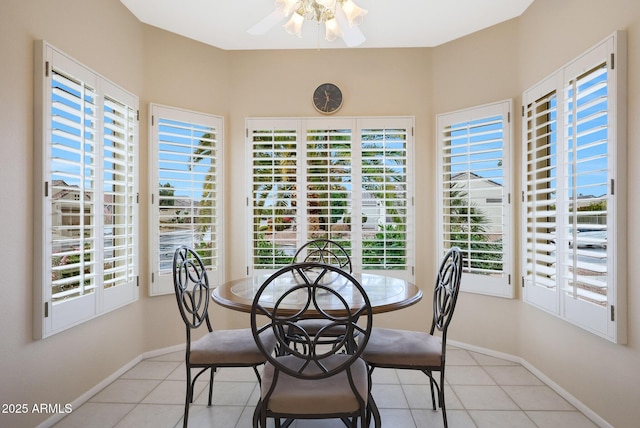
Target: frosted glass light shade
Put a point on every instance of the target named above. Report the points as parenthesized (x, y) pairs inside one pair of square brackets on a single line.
[(294, 25), (287, 6), (333, 30), (354, 12)]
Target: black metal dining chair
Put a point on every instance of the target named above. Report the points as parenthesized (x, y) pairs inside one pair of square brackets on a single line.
[(417, 350), (324, 251), (328, 252), (316, 380), (217, 348)]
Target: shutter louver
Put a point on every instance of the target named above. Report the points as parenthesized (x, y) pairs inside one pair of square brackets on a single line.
[(72, 180), (188, 156), (585, 271), (385, 198), (274, 196), (119, 193), (541, 192), (328, 178), (473, 192)]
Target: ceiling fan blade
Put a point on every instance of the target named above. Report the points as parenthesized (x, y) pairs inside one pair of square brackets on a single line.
[(352, 36), (267, 23)]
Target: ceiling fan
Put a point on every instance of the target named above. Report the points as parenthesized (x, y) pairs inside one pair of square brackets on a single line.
[(341, 19)]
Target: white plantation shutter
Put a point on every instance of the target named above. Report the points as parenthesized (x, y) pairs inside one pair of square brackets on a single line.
[(345, 179), (87, 217), (575, 189), (474, 165), (73, 186), (386, 187), (120, 187), (328, 179), (540, 199), (275, 192), (186, 177), (586, 122)]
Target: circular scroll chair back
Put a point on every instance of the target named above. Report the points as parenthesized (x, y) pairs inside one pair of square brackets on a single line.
[(328, 252), (317, 380), (191, 286), (447, 287), (324, 251)]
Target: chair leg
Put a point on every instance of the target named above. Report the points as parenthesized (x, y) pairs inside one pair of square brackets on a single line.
[(255, 370), (441, 398), (187, 399), (212, 371), (372, 410), (432, 383), (185, 418), (256, 416), (372, 407)]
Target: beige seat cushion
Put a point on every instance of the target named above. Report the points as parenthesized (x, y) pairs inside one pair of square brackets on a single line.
[(312, 326), (222, 347), (294, 396), (403, 348)]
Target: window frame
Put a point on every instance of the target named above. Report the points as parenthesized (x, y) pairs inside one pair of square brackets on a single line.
[(609, 320), (162, 282), (113, 278), (299, 132), (499, 286)]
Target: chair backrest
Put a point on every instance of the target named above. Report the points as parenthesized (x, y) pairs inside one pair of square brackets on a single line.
[(311, 290), (324, 251), (445, 294), (191, 286)]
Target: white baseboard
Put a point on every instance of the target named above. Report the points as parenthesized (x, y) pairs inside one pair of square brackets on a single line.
[(107, 381), (595, 418)]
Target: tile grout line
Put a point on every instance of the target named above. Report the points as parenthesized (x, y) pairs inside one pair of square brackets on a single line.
[(247, 407)]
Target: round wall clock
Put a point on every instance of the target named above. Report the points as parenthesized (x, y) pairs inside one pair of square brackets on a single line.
[(327, 98)]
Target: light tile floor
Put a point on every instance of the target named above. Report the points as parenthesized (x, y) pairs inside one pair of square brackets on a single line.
[(481, 391)]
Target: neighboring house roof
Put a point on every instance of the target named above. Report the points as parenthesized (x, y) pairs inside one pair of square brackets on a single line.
[(471, 175), (66, 190)]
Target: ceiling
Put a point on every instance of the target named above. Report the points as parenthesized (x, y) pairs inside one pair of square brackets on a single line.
[(389, 24)]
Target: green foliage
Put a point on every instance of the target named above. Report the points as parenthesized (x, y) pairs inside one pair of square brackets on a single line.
[(268, 255), (467, 231), (594, 206), (72, 271), (205, 251), (326, 187), (166, 195), (338, 205), (387, 250)]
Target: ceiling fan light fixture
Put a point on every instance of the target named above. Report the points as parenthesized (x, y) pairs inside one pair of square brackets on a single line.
[(335, 14)]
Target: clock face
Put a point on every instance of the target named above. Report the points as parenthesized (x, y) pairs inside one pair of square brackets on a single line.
[(327, 98)]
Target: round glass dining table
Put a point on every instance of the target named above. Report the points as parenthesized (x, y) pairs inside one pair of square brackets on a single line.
[(386, 293)]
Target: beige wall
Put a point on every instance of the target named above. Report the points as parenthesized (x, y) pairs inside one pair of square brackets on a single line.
[(491, 65)]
